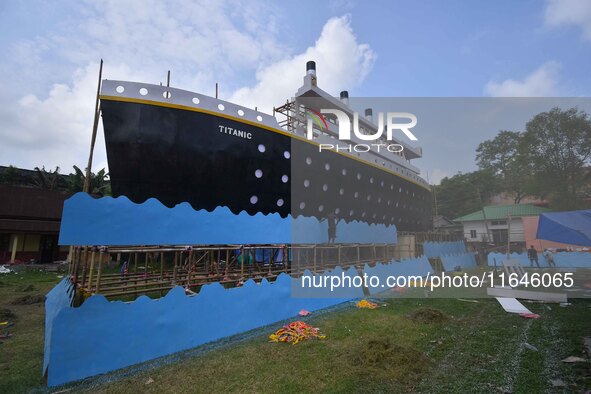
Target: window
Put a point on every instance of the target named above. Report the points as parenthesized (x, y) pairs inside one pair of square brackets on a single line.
[(498, 222), (473, 234)]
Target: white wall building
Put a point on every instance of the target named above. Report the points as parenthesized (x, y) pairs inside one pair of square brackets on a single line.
[(497, 223)]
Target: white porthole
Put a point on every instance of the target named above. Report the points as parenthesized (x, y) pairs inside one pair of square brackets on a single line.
[(259, 118), (368, 197), (325, 187), (351, 212), (308, 160), (321, 208), (284, 178), (356, 194), (120, 89), (344, 172), (143, 91), (341, 191), (302, 205), (363, 215), (166, 94), (370, 180), (306, 183), (382, 184), (389, 202), (258, 173), (254, 199), (280, 202), (286, 154), (221, 107), (327, 166), (358, 176), (396, 205), (399, 190), (337, 211), (379, 200), (262, 148), (391, 187), (195, 100), (240, 112)]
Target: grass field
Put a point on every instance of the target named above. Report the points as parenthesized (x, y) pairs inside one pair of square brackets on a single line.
[(465, 347)]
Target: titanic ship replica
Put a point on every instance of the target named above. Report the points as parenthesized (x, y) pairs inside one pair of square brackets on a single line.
[(179, 146)]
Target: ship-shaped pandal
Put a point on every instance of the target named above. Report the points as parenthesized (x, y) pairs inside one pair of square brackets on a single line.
[(180, 146)]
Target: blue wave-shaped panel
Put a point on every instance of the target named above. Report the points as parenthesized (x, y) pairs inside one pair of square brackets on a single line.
[(464, 260), (561, 260), (102, 336), (437, 249), (119, 221)]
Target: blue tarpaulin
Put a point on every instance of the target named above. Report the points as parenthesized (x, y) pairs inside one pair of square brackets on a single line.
[(572, 227)]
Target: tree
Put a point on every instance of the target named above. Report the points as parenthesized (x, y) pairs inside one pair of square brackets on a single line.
[(558, 145), (465, 193), (9, 175), (99, 183), (504, 157), (44, 179)]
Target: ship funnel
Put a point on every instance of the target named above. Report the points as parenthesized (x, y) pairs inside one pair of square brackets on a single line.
[(311, 72), (311, 67), (345, 97), (369, 114)]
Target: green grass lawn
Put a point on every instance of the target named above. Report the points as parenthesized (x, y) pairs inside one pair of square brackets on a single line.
[(476, 347), (21, 357)]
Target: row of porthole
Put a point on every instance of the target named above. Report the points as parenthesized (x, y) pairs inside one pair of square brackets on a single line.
[(341, 191), (352, 212), (359, 176), (259, 174), (255, 199), (166, 94), (309, 161), (262, 148), (280, 202)]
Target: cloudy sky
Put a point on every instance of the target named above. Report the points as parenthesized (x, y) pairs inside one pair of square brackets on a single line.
[(257, 50)]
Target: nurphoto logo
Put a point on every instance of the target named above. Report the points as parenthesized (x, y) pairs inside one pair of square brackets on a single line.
[(389, 125)]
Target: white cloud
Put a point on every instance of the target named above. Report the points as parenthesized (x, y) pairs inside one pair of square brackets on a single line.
[(341, 64), (46, 110), (577, 13), (541, 82)]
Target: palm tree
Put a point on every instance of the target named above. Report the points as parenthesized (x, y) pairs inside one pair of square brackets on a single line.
[(44, 179), (99, 182), (9, 175)]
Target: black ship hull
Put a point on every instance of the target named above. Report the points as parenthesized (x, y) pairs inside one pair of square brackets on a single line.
[(209, 160)]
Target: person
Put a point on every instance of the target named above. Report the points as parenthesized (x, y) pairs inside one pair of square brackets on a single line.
[(549, 258), (332, 227), (532, 255)]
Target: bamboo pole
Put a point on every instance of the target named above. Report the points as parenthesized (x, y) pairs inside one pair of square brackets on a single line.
[(242, 262), (94, 129), (91, 269), (85, 268), (100, 269)]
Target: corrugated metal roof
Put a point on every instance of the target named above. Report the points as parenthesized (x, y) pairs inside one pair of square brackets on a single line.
[(500, 212)]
